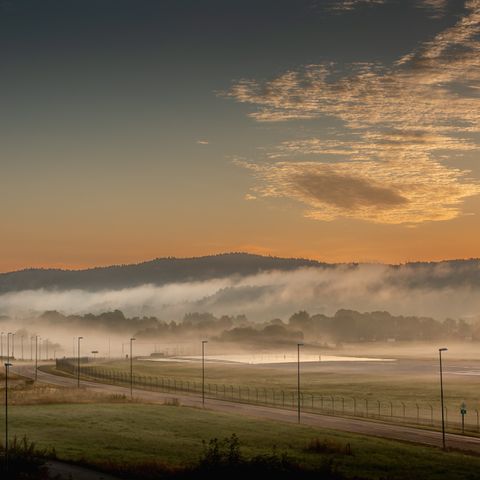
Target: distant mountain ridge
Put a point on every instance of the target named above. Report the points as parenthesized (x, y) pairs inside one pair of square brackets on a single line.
[(157, 272), (177, 270)]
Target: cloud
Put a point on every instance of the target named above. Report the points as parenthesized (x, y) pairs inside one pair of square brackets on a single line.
[(435, 7), (379, 192), (399, 120)]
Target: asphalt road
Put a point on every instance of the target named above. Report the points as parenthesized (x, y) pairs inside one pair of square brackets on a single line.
[(383, 430)]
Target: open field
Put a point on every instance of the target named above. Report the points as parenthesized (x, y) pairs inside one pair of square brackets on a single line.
[(390, 388), (99, 434)]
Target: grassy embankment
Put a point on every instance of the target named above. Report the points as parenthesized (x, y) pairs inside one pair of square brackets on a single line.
[(113, 434)]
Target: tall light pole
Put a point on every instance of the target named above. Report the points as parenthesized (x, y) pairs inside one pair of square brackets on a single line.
[(298, 381), (440, 350), (78, 361), (203, 371), (7, 365), (1, 344), (8, 346), (36, 357), (131, 366)]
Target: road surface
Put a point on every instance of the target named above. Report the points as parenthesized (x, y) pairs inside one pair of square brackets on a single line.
[(364, 427)]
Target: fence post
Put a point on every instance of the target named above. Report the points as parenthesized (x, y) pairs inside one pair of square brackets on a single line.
[(354, 406), (391, 409), (418, 413), (379, 406), (478, 421), (283, 399), (431, 414), (403, 406)]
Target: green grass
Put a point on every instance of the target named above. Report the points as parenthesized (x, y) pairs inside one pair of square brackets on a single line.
[(134, 433), (408, 387)]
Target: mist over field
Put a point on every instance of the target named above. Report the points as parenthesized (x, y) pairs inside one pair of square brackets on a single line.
[(447, 289)]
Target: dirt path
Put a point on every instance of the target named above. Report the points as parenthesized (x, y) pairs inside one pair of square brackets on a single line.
[(68, 471), (366, 427)]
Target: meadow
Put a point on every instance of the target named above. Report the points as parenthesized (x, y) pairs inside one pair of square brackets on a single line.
[(405, 388), (114, 436)]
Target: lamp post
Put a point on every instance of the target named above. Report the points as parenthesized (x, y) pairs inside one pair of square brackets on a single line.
[(78, 361), (131, 366), (440, 350), (36, 357), (8, 346), (7, 365), (203, 371), (298, 381)]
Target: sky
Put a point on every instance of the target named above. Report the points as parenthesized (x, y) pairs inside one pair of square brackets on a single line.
[(340, 130)]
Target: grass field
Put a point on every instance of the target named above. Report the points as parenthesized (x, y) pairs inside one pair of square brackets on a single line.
[(408, 382), (134, 433)]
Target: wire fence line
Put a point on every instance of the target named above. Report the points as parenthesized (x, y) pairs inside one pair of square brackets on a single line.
[(422, 414)]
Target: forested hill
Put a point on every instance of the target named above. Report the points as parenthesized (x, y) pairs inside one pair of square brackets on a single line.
[(452, 273), (158, 272)]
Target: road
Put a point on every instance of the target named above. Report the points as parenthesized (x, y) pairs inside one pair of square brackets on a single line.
[(364, 427)]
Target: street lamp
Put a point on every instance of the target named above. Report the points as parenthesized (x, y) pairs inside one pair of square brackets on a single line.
[(36, 357), (298, 380), (131, 366), (440, 350), (78, 361), (8, 346), (203, 371), (7, 365)]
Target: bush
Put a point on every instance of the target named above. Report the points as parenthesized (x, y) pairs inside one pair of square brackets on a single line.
[(25, 461)]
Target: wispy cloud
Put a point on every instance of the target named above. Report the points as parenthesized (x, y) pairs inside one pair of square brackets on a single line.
[(398, 121), (380, 192), (435, 7)]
